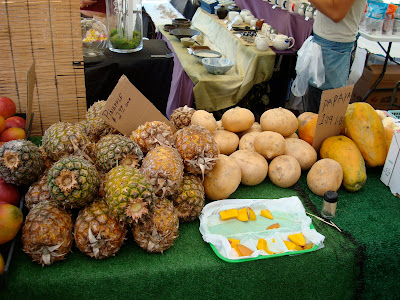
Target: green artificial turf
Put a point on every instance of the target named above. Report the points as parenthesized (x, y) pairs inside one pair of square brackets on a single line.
[(191, 270)]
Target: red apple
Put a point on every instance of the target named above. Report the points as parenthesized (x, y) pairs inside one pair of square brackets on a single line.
[(13, 133), (15, 121), (9, 193), (7, 107)]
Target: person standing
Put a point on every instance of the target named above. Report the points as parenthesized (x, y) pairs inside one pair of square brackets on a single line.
[(335, 31)]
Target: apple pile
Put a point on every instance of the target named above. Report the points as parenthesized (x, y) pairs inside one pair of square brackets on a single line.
[(12, 127)]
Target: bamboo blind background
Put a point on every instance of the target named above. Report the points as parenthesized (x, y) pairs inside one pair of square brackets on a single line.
[(49, 33)]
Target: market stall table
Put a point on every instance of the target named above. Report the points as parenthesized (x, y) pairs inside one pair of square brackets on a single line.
[(380, 38), (216, 92), (290, 24), (151, 75)]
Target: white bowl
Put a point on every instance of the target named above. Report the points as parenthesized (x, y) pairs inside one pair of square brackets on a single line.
[(217, 65), (200, 54)]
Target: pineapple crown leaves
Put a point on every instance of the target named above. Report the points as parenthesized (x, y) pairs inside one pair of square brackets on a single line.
[(136, 209), (47, 252), (11, 159), (95, 242)]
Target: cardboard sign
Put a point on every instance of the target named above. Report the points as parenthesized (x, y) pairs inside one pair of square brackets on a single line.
[(331, 113), (127, 108)]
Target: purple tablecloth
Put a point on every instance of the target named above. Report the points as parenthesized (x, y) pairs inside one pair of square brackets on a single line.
[(290, 24), (181, 91)]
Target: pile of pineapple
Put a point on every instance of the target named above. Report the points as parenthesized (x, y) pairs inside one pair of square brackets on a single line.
[(89, 184)]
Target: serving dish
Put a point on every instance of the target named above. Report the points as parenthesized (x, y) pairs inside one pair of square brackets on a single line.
[(200, 54), (217, 65), (184, 32)]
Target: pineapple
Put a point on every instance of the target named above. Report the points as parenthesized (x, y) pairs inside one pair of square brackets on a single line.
[(197, 148), (47, 233), (63, 139), (95, 126), (163, 166), (38, 192), (153, 134), (97, 233), (128, 193), (115, 149), (158, 231), (190, 198), (182, 116), (73, 182), (21, 162)]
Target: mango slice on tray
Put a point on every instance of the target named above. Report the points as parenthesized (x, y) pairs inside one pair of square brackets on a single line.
[(263, 245), (233, 242), (292, 246), (298, 239), (273, 226), (252, 215), (266, 213), (243, 215), (228, 214), (243, 250)]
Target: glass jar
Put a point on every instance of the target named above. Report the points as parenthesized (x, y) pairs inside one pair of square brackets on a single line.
[(329, 205), (94, 37), (124, 25)]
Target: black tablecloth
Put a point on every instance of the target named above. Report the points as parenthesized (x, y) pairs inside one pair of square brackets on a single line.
[(151, 76)]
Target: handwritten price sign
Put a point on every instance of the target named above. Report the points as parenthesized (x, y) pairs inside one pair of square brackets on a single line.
[(126, 108), (331, 113)]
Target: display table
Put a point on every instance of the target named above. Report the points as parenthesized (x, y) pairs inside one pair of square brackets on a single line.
[(216, 92), (290, 24), (151, 75), (380, 38), (361, 261)]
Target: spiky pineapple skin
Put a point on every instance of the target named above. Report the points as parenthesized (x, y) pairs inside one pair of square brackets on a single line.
[(81, 189), (47, 225), (38, 192), (95, 126), (126, 185), (97, 233), (190, 199), (163, 166), (197, 148), (21, 162), (115, 149), (158, 232), (182, 116), (153, 134), (63, 139)]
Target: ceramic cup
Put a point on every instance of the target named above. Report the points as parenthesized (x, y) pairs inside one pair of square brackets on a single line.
[(302, 8), (248, 18), (283, 4), (238, 21), (244, 13), (265, 28), (253, 22), (259, 23)]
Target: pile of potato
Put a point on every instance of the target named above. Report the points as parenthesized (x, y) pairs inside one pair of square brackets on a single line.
[(251, 151)]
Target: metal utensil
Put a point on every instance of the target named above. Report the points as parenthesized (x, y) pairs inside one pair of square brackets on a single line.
[(168, 55)]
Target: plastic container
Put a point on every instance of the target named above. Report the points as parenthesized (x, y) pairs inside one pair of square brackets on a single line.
[(329, 205), (394, 113)]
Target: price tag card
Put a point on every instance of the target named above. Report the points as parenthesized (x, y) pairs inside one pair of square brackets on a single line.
[(127, 108), (331, 113)]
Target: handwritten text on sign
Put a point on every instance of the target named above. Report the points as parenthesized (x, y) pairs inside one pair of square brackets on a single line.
[(117, 109), (332, 109)]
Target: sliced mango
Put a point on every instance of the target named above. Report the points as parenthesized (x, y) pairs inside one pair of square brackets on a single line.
[(263, 245), (273, 226), (233, 242), (308, 246), (242, 214), (252, 215), (228, 214), (266, 213), (243, 250), (292, 246), (298, 239)]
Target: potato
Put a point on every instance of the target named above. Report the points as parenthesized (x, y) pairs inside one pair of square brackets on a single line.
[(205, 119), (253, 166), (293, 135), (302, 151), (246, 142), (227, 141), (325, 175), (237, 119), (284, 171), (223, 179), (219, 125), (269, 144), (280, 120), (256, 127)]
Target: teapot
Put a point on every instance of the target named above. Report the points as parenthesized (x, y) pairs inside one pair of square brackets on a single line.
[(282, 42), (261, 41)]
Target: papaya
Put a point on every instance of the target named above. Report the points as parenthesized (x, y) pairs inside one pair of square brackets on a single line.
[(343, 150), (307, 125), (363, 125)]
